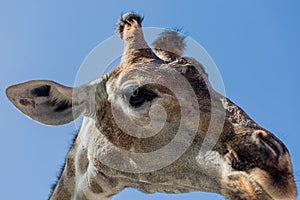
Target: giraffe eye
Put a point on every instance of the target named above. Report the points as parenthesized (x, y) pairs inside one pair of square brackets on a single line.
[(137, 96)]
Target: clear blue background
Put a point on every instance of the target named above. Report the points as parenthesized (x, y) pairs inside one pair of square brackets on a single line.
[(255, 44)]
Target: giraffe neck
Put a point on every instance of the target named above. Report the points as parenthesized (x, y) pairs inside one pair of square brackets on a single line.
[(65, 186), (80, 180)]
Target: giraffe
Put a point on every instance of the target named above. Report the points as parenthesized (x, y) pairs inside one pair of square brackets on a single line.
[(246, 162)]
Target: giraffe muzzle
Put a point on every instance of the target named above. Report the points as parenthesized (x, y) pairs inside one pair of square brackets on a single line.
[(261, 155)]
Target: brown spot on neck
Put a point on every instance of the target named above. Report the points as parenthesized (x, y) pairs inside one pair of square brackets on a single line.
[(70, 167)]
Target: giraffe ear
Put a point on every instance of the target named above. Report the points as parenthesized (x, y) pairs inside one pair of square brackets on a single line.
[(46, 101)]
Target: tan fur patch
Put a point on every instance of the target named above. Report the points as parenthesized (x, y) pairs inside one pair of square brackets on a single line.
[(61, 192)]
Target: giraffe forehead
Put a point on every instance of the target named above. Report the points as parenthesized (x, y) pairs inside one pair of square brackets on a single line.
[(167, 73)]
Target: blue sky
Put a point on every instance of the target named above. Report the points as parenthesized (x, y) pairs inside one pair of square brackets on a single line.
[(255, 45)]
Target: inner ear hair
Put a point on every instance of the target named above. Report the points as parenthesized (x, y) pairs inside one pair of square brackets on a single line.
[(42, 91)]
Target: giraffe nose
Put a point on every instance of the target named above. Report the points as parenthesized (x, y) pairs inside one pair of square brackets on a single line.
[(275, 174), (257, 149), (269, 142), (260, 154)]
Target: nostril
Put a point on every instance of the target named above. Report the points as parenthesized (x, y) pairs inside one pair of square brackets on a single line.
[(270, 142)]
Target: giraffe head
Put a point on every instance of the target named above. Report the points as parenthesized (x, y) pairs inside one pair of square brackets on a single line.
[(141, 104)]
